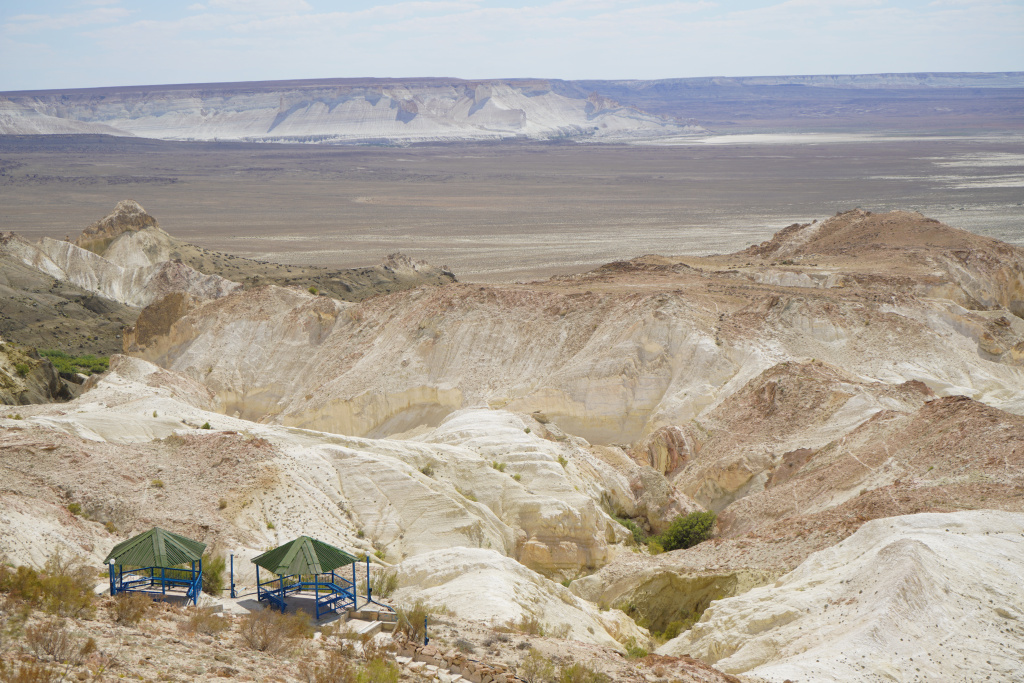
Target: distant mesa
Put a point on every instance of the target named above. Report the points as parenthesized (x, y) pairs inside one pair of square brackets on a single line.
[(339, 111)]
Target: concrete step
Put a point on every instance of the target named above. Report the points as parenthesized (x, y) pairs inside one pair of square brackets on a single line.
[(365, 628)]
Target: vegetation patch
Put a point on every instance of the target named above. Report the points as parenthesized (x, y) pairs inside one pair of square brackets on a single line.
[(87, 364)]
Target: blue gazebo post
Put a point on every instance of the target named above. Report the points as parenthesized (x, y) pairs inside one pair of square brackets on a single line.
[(369, 597), (355, 598), (113, 579)]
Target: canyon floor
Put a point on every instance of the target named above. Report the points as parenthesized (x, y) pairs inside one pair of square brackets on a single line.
[(846, 395)]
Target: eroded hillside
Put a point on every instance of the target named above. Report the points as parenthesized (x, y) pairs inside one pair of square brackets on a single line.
[(487, 442)]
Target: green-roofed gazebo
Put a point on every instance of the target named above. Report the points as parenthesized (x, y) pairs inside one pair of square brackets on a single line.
[(154, 559), (307, 564)]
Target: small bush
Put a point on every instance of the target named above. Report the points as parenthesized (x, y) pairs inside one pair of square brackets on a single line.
[(75, 509), (53, 639), (360, 534), (687, 531), (654, 548), (536, 668), (528, 624), (378, 671), (130, 608), (527, 430), (673, 629), (463, 645), (335, 668), (411, 622), (270, 525), (385, 583), (203, 620), (580, 673), (634, 651), (267, 630), (500, 466), (157, 483), (29, 672), (639, 537), (381, 553), (67, 587), (313, 290), (566, 582), (562, 461), (221, 504), (517, 476), (110, 527), (22, 368), (213, 573), (206, 425), (154, 413)]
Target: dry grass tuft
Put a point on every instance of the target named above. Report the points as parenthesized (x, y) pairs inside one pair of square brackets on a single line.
[(130, 608), (268, 630)]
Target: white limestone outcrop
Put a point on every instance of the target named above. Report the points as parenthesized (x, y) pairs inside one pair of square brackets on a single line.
[(474, 583), (919, 597)]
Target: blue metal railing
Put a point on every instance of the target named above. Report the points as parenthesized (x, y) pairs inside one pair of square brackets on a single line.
[(156, 581), (331, 590)]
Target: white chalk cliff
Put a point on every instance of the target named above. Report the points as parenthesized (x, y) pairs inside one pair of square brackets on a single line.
[(337, 111)]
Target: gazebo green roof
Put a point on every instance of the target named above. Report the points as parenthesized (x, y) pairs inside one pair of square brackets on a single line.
[(304, 555), (156, 548)]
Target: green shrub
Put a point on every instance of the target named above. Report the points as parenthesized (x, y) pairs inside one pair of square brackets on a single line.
[(313, 290), (517, 476), (654, 548), (500, 466), (213, 573), (634, 651), (687, 531), (206, 425), (157, 483), (75, 508), (562, 461), (87, 364), (673, 629), (22, 368), (639, 537)]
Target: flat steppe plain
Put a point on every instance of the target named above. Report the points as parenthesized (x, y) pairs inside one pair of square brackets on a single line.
[(511, 211)]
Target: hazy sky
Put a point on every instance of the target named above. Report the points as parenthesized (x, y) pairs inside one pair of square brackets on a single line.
[(85, 43)]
